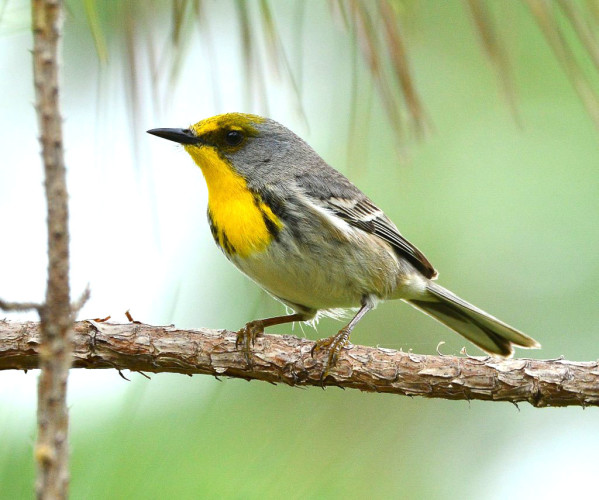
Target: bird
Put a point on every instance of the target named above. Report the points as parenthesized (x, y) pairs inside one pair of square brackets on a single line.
[(308, 236)]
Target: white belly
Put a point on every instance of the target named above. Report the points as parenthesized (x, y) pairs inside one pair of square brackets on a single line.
[(336, 275)]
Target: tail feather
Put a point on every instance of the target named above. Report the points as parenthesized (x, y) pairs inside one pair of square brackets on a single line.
[(487, 332)]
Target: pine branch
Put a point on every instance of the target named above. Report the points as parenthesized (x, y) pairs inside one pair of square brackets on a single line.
[(286, 359), (52, 450)]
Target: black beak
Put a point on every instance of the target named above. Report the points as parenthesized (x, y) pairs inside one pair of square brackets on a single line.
[(180, 135)]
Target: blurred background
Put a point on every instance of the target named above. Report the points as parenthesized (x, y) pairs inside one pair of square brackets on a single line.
[(491, 168)]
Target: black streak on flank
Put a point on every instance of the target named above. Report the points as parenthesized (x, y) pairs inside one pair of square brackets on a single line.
[(273, 202), (213, 228), (220, 237), (227, 247), (275, 206), (271, 227), (290, 218)]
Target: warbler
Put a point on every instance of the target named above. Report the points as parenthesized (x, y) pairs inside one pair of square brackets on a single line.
[(313, 240)]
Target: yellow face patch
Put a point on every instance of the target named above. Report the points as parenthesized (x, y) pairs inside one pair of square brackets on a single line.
[(242, 222)]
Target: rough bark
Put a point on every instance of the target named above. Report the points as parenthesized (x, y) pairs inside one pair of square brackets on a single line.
[(51, 450), (286, 359)]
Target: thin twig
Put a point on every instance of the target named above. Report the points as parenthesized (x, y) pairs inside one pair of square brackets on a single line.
[(19, 306), (80, 302), (286, 359)]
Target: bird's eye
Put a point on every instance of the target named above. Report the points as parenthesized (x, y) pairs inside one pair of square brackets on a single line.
[(234, 138)]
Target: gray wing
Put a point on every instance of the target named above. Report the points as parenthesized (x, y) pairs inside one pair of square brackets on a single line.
[(333, 190), (365, 215)]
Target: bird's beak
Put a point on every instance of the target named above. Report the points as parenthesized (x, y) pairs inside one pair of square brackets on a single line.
[(180, 135)]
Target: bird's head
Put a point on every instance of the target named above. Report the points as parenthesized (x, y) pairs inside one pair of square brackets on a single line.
[(249, 144)]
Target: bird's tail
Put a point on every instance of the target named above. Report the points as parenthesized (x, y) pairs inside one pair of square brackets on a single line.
[(480, 328)]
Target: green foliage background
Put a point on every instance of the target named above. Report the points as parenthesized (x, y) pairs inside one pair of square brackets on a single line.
[(505, 208)]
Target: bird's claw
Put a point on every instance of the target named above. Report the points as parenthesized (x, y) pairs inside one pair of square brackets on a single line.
[(246, 338), (334, 345)]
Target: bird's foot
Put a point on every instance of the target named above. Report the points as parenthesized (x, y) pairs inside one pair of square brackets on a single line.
[(334, 345), (246, 337)]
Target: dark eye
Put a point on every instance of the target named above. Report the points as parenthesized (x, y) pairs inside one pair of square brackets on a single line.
[(234, 138)]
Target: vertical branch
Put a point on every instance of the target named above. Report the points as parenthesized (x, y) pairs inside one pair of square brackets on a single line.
[(51, 452)]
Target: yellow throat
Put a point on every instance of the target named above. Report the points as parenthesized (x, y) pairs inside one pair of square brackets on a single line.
[(240, 221)]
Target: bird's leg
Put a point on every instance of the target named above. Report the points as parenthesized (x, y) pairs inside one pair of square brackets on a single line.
[(247, 335), (337, 342)]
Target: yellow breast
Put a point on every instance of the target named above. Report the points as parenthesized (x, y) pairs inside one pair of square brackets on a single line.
[(241, 222)]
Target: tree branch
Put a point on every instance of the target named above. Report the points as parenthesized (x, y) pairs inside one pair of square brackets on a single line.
[(286, 359), (52, 450)]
